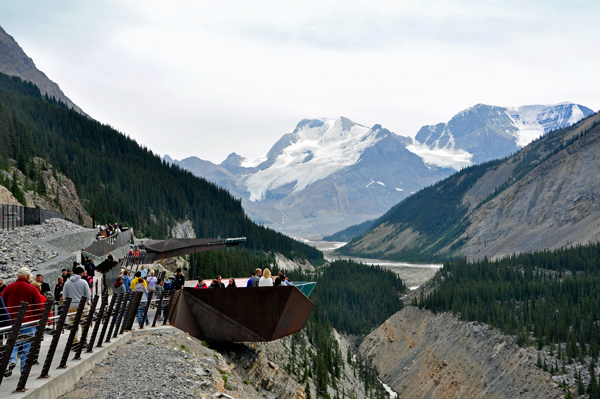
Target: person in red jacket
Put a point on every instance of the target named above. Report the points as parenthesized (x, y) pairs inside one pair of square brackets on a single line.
[(15, 293)]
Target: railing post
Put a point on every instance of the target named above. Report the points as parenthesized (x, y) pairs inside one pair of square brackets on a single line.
[(73, 327), (56, 333), (124, 313), (12, 338), (168, 307), (131, 312), (172, 302), (34, 347), (158, 306), (104, 287), (145, 314), (117, 317), (109, 313), (97, 322), (86, 328)]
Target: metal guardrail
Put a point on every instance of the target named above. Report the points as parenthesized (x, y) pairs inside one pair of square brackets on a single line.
[(13, 216), (115, 318), (104, 246)]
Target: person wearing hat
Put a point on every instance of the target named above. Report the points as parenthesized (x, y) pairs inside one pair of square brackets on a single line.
[(15, 293), (76, 289)]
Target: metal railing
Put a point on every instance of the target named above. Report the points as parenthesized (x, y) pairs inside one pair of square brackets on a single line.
[(13, 216), (103, 321), (104, 246)]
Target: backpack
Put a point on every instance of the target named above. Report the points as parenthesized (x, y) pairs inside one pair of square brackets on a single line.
[(169, 283), (49, 296)]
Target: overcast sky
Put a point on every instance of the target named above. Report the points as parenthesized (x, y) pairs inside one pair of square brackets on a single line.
[(210, 78)]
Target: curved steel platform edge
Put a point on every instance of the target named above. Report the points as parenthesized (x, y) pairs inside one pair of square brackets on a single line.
[(255, 314)]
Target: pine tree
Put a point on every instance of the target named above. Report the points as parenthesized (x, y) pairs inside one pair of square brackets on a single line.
[(580, 384)]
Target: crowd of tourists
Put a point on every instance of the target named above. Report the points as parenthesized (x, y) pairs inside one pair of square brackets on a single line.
[(144, 281), (257, 279), (77, 283), (35, 291), (107, 230)]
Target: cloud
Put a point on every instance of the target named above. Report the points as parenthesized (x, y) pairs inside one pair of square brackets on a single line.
[(209, 78)]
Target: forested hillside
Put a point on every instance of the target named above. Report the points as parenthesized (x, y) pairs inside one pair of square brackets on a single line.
[(353, 298), (350, 232), (547, 298), (118, 179)]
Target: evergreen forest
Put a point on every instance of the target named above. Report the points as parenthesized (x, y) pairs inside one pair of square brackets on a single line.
[(119, 180), (546, 298)]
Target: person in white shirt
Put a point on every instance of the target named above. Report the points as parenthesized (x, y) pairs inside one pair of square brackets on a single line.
[(266, 280)]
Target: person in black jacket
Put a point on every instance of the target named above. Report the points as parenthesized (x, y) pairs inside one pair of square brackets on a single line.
[(179, 279), (45, 286), (216, 283), (58, 289)]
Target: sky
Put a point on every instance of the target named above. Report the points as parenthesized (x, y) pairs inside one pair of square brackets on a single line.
[(206, 78)]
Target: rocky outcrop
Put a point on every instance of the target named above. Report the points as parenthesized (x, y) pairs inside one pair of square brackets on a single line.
[(183, 229), (284, 356), (284, 263), (423, 355), (14, 62), (60, 193), (7, 198)]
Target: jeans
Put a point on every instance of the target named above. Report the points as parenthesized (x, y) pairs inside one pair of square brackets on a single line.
[(140, 313), (22, 346)]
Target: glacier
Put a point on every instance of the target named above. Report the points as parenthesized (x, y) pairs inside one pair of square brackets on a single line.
[(319, 152)]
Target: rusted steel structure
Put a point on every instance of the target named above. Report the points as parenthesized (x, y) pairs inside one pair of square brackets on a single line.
[(223, 315), (242, 314), (162, 249)]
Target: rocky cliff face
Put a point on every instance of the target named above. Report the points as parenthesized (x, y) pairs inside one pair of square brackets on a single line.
[(284, 357), (183, 229), (553, 206), (61, 195), (14, 62), (423, 355)]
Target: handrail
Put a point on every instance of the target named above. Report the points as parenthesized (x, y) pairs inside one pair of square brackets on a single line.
[(104, 246)]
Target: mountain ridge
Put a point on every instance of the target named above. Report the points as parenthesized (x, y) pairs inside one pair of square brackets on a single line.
[(325, 175), (14, 62), (542, 197), (329, 174)]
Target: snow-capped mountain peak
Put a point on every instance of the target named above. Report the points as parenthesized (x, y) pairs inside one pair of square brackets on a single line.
[(485, 132), (321, 147), (532, 121)]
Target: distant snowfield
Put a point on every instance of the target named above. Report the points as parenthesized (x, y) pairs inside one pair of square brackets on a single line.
[(318, 153), (531, 122), (442, 157), (535, 120)]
